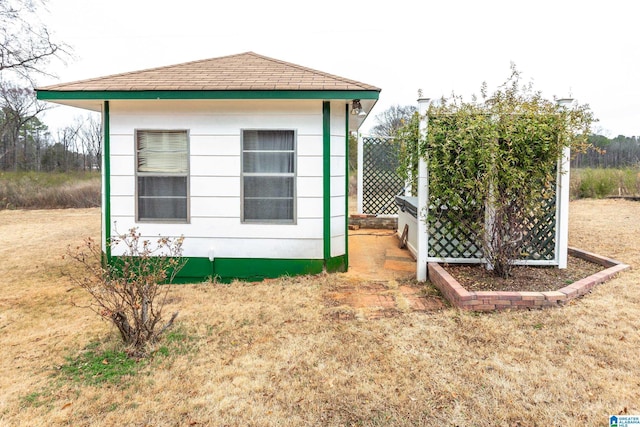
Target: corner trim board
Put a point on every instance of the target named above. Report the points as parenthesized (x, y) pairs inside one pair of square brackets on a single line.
[(326, 178), (106, 178)]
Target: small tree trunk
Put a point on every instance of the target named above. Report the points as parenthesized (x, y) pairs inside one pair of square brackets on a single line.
[(121, 322)]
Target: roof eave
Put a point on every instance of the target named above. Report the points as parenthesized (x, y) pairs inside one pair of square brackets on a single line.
[(108, 95)]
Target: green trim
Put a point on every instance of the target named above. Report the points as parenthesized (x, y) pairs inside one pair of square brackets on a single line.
[(196, 268), (260, 268), (226, 270), (106, 177), (59, 95), (326, 178), (346, 187), (336, 264)]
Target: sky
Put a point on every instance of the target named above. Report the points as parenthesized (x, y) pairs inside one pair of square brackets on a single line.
[(586, 50)]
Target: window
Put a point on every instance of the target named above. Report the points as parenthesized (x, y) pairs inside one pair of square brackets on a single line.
[(268, 176), (162, 175)]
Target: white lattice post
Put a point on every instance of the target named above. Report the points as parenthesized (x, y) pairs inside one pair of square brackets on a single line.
[(562, 199), (360, 191), (423, 198), (563, 208)]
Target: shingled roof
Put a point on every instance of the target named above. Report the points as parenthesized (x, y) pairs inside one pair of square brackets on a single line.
[(242, 72)]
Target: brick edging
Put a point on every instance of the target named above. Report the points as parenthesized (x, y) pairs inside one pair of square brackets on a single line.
[(387, 222), (459, 297)]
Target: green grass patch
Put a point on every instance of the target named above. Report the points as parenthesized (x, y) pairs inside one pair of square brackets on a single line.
[(95, 367), (175, 342), (35, 399), (109, 362)]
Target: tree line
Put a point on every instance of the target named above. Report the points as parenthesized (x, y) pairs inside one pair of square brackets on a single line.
[(619, 152), (27, 144)]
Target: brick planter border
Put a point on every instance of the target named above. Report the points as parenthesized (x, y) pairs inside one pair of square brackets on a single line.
[(386, 222), (459, 297)]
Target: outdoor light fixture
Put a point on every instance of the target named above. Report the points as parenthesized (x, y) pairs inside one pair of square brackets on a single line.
[(356, 108), (564, 102)]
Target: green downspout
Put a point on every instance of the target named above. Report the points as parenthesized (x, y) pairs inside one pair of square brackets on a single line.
[(326, 179), (346, 187), (106, 176)]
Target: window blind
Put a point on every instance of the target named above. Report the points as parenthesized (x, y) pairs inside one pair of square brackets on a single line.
[(162, 151), (162, 182)]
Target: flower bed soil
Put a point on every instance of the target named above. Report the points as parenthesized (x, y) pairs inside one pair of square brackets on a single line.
[(523, 278)]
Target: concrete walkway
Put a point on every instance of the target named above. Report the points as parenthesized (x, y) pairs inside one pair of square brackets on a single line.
[(380, 281), (375, 255)]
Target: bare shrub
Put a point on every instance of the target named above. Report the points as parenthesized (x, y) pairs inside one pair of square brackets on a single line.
[(128, 290)]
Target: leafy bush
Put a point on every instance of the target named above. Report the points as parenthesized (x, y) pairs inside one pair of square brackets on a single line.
[(493, 162)]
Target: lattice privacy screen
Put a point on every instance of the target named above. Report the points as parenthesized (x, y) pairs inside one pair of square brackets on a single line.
[(540, 240), (380, 182), (462, 244), (446, 241)]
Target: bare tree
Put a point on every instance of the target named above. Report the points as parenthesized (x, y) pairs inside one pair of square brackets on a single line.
[(18, 106), (90, 136), (392, 119), (25, 43), (67, 141)]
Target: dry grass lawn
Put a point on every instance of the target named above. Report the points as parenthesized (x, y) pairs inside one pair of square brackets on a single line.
[(271, 354)]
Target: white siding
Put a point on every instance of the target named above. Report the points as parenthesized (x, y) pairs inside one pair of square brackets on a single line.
[(215, 186), (122, 165), (218, 207), (226, 228), (337, 245), (218, 121), (215, 162), (310, 166), (228, 166), (310, 186), (231, 247), (337, 166), (310, 207), (122, 185), (214, 145), (310, 145)]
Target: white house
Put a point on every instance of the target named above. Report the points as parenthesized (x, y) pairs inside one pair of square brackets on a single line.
[(243, 155)]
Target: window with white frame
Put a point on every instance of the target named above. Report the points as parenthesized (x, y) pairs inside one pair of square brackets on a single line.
[(162, 175), (268, 176)]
